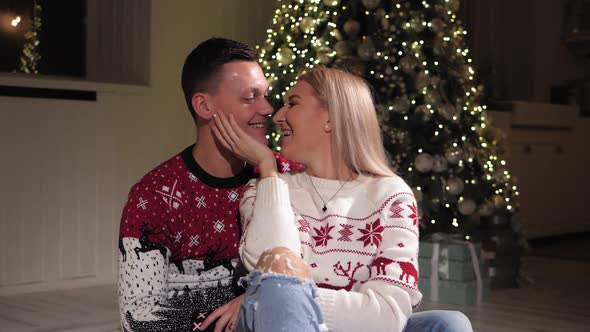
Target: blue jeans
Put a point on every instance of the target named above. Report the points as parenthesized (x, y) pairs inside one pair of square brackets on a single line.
[(276, 302), (438, 321)]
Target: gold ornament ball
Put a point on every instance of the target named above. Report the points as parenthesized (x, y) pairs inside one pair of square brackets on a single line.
[(371, 4), (437, 24), (401, 105), (352, 28), (454, 5), (423, 162), (306, 24), (286, 55), (454, 154), (467, 207), (325, 55), (455, 186), (416, 24)]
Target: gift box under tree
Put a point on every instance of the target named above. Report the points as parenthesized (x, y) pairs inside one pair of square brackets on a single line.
[(452, 271)]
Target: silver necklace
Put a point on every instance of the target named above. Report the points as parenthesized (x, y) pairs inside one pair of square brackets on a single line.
[(325, 208)]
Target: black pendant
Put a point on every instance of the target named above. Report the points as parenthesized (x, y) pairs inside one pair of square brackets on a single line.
[(324, 208)]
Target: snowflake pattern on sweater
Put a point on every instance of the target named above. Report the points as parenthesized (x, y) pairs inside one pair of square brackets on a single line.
[(365, 243), (178, 246)]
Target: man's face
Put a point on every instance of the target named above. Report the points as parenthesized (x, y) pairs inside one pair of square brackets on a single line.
[(242, 91)]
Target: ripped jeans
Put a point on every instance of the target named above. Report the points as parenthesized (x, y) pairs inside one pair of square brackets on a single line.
[(277, 302)]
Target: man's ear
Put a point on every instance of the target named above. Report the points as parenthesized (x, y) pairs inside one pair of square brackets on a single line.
[(202, 109)]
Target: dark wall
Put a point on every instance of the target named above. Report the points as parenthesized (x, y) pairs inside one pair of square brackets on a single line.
[(518, 49)]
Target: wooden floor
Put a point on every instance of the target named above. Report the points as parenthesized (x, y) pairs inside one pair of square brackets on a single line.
[(558, 301)]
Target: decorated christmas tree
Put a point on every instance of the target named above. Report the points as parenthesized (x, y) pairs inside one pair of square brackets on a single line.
[(413, 53), (30, 56)]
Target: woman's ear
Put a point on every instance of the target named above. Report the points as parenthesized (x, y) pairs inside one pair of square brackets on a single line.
[(328, 127), (201, 107)]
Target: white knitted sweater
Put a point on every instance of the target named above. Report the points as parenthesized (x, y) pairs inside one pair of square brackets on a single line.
[(362, 251)]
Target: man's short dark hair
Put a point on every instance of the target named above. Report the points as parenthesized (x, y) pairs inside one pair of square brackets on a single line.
[(204, 63)]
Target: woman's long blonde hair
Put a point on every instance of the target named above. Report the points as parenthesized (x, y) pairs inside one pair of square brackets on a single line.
[(356, 136)]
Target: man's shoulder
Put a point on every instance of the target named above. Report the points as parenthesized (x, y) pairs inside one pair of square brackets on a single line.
[(166, 171)]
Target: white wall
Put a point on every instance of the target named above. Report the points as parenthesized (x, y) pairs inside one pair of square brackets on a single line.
[(66, 166)]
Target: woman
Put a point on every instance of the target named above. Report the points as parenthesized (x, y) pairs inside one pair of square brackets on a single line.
[(350, 218)]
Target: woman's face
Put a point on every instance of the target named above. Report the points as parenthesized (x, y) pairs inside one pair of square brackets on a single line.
[(303, 122)]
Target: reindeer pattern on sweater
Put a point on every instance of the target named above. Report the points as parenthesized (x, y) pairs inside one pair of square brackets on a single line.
[(366, 243), (178, 246)]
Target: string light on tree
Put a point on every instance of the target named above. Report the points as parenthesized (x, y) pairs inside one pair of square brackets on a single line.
[(30, 55), (15, 21)]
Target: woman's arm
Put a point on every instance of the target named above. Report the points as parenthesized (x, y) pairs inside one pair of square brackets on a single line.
[(267, 220)]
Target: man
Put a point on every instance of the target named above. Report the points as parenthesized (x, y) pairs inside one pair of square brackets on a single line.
[(179, 233)]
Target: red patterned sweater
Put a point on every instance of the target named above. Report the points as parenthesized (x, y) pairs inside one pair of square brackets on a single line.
[(362, 251), (178, 243)]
